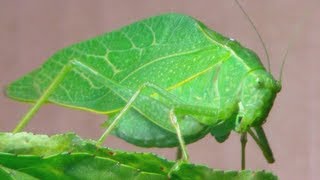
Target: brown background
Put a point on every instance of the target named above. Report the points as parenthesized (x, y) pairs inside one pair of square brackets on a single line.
[(30, 31)]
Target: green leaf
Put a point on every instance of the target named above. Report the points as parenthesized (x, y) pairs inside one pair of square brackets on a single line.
[(6, 173), (44, 146), (198, 172), (74, 166), (66, 156)]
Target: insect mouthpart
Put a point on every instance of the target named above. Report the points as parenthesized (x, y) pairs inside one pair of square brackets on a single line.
[(278, 86), (258, 92)]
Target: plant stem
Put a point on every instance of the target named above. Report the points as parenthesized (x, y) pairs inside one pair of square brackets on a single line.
[(26, 119)]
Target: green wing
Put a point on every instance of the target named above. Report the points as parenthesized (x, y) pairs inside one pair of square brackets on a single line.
[(167, 50), (173, 51)]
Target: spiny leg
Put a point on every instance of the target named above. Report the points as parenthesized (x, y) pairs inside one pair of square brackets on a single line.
[(52, 87)]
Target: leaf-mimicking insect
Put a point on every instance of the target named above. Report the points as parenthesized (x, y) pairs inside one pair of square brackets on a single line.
[(164, 81)]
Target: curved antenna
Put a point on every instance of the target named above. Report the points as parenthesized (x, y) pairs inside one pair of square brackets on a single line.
[(284, 59), (292, 40), (257, 32)]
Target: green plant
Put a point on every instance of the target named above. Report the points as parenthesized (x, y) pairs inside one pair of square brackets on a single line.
[(66, 156)]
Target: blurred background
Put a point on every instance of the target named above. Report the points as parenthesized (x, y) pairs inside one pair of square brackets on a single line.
[(31, 31)]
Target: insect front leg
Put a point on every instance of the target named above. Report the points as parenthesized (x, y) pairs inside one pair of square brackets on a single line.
[(130, 104), (243, 140)]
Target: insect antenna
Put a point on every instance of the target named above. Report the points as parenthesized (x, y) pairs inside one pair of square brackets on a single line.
[(292, 40), (257, 32), (284, 60)]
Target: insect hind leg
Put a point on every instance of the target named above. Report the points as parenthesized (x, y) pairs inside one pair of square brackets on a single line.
[(43, 98)]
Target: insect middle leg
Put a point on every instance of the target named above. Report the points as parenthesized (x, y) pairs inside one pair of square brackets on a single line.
[(130, 104)]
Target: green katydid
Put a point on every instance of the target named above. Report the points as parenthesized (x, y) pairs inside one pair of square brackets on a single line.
[(165, 81)]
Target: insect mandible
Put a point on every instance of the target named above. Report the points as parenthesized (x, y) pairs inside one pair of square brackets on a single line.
[(165, 81)]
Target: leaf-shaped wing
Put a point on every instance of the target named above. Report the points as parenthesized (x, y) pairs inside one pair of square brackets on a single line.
[(168, 50)]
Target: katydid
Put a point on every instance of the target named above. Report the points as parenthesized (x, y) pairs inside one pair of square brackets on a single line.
[(165, 81)]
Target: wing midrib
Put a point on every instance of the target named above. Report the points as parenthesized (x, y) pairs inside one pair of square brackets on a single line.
[(206, 34), (164, 58)]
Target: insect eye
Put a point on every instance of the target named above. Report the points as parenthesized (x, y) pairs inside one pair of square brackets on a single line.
[(259, 83)]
